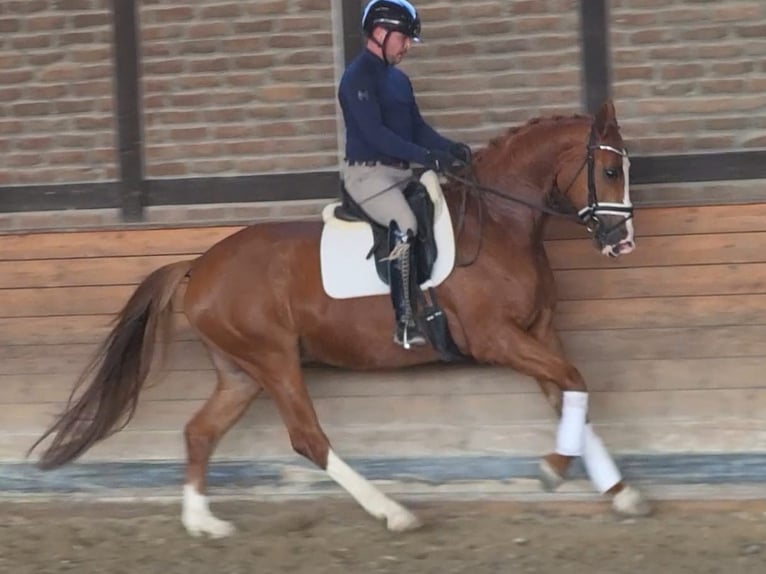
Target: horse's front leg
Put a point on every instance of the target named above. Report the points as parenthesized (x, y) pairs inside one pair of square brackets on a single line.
[(574, 437), (601, 468)]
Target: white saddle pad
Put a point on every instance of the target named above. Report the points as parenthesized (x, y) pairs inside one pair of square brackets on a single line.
[(344, 247)]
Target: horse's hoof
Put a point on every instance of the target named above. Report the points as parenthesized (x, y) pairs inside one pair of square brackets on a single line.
[(209, 525), (630, 502), (402, 520), (550, 480)]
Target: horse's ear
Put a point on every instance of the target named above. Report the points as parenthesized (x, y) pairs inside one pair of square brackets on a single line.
[(605, 117)]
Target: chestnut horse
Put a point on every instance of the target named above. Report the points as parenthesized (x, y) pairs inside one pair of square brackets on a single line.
[(257, 303)]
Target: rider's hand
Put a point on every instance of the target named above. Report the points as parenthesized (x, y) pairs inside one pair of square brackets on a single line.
[(461, 152), (439, 161)]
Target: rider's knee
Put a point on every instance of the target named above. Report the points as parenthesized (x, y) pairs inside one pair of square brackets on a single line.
[(407, 222)]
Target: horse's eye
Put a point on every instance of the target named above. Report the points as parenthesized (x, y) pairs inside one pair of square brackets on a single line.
[(611, 173)]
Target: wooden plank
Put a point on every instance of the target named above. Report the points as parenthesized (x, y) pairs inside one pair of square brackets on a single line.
[(573, 285), (675, 343), (70, 301), (679, 221), (51, 330), (449, 410), (627, 375), (564, 254), (129, 270), (67, 358), (649, 222), (65, 301), (628, 313), (688, 280), (528, 438), (582, 346), (364, 411), (666, 250), (658, 312), (65, 245)]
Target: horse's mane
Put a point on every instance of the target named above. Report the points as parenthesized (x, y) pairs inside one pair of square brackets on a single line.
[(503, 142), (499, 153)]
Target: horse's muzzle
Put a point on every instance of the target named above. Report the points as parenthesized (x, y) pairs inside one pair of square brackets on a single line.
[(613, 235), (622, 248)]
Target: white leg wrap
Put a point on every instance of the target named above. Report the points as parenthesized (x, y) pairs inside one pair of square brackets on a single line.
[(198, 519), (369, 497), (574, 411), (601, 469)]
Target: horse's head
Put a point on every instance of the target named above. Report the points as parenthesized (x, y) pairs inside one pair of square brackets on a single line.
[(595, 180)]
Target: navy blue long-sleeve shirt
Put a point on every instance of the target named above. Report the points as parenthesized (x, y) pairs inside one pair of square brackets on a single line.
[(382, 118)]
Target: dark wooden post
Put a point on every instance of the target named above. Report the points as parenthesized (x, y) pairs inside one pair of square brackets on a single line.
[(594, 31), (128, 106), (352, 29)]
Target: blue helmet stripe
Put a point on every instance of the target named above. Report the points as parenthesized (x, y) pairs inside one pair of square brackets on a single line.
[(403, 3)]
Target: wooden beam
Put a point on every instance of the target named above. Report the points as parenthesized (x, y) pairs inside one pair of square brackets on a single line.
[(128, 108), (595, 53), (715, 166), (51, 197), (352, 29), (645, 170), (264, 187)]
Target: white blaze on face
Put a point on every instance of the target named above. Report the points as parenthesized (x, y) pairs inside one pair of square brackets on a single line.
[(629, 243)]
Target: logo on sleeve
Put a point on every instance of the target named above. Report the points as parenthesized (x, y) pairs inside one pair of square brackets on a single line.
[(363, 95)]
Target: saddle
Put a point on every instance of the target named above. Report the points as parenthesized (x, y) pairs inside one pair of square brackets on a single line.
[(425, 242), (427, 312)]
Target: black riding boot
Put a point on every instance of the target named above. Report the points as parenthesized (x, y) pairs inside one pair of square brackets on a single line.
[(402, 276)]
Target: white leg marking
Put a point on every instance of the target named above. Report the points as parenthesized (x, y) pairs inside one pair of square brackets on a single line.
[(630, 502), (569, 437), (197, 518), (599, 465), (550, 480), (398, 518)]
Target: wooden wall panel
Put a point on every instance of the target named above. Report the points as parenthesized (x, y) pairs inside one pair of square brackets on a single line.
[(672, 340)]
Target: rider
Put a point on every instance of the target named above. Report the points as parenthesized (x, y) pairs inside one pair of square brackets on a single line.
[(384, 134)]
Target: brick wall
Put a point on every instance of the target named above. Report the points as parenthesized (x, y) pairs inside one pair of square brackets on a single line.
[(56, 120), (238, 87), (484, 66), (690, 75)]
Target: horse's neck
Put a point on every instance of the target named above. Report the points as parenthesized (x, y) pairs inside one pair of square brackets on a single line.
[(525, 166), (511, 209), (490, 224)]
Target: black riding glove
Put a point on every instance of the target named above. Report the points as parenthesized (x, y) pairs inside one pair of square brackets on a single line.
[(439, 161), (461, 152)]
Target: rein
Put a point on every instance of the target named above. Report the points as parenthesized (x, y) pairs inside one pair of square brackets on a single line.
[(472, 185)]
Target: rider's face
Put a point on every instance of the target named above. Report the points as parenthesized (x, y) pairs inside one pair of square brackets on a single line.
[(397, 46)]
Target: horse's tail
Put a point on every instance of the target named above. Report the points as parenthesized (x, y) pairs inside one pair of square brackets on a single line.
[(121, 366)]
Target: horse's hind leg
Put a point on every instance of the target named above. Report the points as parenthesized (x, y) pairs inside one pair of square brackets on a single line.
[(281, 377), (599, 465), (234, 392)]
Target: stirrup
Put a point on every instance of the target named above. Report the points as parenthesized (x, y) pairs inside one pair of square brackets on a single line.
[(408, 335)]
